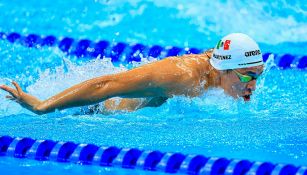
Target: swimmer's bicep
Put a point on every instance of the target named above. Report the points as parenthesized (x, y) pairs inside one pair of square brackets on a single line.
[(135, 83), (146, 81)]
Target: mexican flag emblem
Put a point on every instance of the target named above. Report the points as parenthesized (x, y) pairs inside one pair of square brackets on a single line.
[(225, 45)]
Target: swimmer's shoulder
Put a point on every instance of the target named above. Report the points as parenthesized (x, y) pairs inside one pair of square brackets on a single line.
[(185, 58), (198, 59)]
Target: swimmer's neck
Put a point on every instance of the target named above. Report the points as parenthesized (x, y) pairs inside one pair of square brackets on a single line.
[(209, 73)]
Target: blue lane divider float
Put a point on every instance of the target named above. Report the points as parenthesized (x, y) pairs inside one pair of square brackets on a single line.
[(125, 52), (133, 158)]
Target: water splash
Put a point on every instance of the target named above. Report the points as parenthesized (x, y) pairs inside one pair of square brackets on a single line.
[(214, 102), (69, 74), (270, 125)]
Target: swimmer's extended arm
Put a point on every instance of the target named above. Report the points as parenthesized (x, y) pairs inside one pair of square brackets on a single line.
[(158, 79), (134, 83)]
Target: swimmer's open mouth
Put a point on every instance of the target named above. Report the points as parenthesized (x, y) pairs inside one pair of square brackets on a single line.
[(247, 97)]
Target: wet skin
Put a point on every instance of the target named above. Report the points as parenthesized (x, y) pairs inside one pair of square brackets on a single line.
[(187, 75), (232, 85)]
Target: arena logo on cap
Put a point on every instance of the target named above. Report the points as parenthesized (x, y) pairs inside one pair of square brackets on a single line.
[(252, 53), (225, 44)]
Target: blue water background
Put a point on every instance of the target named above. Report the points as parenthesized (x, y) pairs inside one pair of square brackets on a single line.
[(272, 127), (279, 26)]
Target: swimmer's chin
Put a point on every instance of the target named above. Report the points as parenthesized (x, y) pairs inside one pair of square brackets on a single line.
[(246, 98)]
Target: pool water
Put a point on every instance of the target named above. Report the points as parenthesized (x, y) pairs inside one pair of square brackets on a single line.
[(26, 166), (271, 127)]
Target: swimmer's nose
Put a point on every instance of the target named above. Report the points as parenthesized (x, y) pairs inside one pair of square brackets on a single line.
[(249, 90), (251, 86)]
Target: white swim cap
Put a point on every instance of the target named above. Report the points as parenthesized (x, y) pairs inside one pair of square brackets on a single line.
[(234, 51)]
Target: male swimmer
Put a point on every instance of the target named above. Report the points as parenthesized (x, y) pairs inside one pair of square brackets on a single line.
[(233, 65)]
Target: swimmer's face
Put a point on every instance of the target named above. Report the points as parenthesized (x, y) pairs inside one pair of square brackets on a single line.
[(240, 83)]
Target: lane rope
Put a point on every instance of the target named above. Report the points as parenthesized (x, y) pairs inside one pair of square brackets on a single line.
[(128, 52), (134, 158)]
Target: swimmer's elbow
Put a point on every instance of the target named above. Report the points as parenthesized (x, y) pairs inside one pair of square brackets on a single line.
[(102, 89), (41, 109)]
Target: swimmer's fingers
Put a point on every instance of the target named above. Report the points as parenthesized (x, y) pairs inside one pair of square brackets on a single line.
[(10, 90), (19, 90), (12, 98), (9, 97)]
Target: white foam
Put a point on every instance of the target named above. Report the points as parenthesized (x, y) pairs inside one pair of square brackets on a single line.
[(269, 22)]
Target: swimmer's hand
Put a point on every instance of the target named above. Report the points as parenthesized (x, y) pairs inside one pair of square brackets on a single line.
[(25, 100)]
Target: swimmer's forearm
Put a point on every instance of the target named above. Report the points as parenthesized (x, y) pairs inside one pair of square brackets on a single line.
[(96, 90), (85, 93)]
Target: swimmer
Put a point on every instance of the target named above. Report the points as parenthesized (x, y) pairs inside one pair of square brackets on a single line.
[(233, 65)]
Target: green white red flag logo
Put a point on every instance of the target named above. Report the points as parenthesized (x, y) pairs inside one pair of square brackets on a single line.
[(225, 44)]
